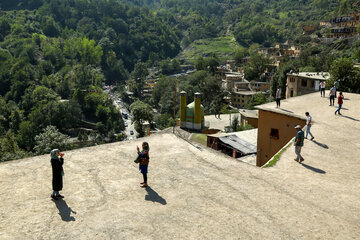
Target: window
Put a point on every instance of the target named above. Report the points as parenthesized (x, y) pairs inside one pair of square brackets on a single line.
[(274, 133), (312, 84), (303, 82)]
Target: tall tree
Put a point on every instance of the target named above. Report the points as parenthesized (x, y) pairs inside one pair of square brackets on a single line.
[(139, 75), (141, 112), (256, 67)]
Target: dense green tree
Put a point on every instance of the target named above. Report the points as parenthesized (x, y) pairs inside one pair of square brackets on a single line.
[(256, 99), (50, 139), (139, 75), (343, 71), (9, 149), (84, 50), (163, 121), (209, 64), (37, 95), (163, 94), (256, 66), (141, 112), (170, 67), (235, 123), (240, 54), (26, 135)]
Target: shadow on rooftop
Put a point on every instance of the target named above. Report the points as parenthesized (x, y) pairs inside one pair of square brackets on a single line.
[(64, 210), (154, 196), (354, 119), (286, 110), (320, 144), (317, 170)]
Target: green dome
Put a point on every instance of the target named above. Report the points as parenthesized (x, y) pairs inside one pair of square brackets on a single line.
[(192, 105), (190, 110)]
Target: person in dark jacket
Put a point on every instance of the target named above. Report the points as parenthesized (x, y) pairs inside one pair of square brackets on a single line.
[(144, 162), (57, 161)]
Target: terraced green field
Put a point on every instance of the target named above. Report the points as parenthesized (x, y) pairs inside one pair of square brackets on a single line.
[(223, 47)]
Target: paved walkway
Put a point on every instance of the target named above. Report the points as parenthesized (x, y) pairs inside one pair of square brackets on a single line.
[(194, 193)]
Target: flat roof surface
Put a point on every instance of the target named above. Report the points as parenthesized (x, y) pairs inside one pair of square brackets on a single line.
[(312, 75), (194, 193), (281, 110), (246, 93), (249, 113), (330, 172), (222, 122)]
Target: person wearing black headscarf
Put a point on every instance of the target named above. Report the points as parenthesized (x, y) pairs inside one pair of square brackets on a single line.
[(57, 161)]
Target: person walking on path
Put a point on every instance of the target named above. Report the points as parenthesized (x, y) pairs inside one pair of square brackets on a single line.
[(332, 94), (278, 97), (340, 103), (144, 161), (299, 142), (308, 125), (57, 162), (322, 88)]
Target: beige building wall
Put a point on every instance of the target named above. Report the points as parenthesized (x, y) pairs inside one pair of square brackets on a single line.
[(240, 100), (248, 120), (260, 86), (269, 143), (297, 86), (253, 122)]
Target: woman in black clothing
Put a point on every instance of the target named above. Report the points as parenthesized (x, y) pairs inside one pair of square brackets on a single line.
[(57, 161)]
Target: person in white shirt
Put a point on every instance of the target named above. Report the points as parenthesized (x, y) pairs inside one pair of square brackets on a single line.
[(322, 88), (332, 95), (308, 125), (278, 97)]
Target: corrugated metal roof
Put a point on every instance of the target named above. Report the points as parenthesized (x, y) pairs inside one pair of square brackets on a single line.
[(239, 144)]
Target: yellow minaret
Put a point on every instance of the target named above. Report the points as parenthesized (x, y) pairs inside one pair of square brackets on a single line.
[(183, 109), (197, 112)]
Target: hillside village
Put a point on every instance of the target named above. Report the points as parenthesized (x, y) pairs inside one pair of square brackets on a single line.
[(221, 125)]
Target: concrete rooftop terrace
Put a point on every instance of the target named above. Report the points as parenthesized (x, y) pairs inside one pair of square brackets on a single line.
[(222, 122), (194, 193)]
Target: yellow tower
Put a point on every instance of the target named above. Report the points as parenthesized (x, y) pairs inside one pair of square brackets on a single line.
[(197, 112), (183, 109)]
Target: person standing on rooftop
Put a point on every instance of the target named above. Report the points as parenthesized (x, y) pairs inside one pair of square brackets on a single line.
[(308, 125), (322, 88), (57, 162), (332, 95), (340, 103), (299, 143), (144, 161), (278, 97)]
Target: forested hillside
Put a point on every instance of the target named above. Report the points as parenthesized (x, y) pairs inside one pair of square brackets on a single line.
[(55, 55)]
